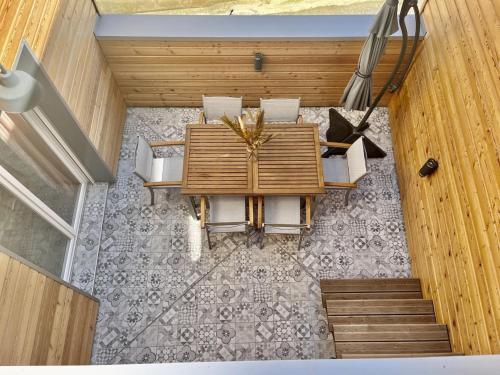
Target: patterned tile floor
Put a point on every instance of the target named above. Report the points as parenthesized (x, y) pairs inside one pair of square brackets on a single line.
[(89, 235), (166, 298)]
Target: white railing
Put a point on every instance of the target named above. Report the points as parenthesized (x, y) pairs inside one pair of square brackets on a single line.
[(462, 365), (341, 27)]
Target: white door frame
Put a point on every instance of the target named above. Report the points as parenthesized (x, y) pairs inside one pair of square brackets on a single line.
[(44, 128)]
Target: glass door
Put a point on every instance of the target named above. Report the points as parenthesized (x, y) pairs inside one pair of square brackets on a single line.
[(42, 188)]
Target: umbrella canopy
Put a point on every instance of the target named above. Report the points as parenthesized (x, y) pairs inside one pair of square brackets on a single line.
[(358, 93)]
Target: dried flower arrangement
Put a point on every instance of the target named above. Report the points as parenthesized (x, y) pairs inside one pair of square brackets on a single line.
[(253, 136)]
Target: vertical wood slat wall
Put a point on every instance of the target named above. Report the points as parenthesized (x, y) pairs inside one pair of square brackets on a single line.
[(449, 109), (60, 32), (42, 322)]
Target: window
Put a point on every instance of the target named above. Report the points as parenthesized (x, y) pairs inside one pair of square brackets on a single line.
[(240, 7), (27, 157), (41, 192), (26, 234)]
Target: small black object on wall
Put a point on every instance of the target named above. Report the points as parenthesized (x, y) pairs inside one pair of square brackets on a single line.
[(259, 60), (428, 168)]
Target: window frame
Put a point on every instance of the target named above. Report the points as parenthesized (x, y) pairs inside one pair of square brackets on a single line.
[(42, 126)]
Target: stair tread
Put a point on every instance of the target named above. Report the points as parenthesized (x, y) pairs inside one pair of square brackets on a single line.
[(381, 302), (389, 332), (397, 280), (379, 307), (377, 347), (396, 327), (381, 319), (397, 355), (371, 295), (369, 285)]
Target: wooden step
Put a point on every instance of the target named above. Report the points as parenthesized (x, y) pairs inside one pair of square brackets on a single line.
[(369, 285), (389, 332), (356, 289), (380, 307), (381, 319), (392, 347), (397, 355), (369, 295)]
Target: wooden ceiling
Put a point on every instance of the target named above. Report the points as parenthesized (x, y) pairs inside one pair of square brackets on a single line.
[(177, 73)]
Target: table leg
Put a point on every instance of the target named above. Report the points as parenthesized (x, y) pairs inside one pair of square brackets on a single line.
[(250, 210), (193, 206), (259, 212), (202, 211), (308, 210)]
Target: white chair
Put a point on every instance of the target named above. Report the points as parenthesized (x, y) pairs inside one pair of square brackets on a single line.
[(281, 110), (214, 107), (227, 214), (344, 171), (282, 216), (158, 173)]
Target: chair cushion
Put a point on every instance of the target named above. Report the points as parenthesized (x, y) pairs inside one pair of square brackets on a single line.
[(143, 159), (281, 210), (227, 209), (214, 107), (167, 169), (356, 160), (280, 110), (335, 169)]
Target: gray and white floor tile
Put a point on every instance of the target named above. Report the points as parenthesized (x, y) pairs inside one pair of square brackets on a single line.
[(165, 297)]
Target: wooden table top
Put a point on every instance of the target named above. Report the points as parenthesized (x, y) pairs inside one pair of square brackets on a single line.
[(216, 162)]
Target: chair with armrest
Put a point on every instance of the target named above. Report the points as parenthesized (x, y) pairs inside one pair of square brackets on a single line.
[(281, 110), (227, 214), (282, 216), (344, 171), (214, 107), (159, 173)]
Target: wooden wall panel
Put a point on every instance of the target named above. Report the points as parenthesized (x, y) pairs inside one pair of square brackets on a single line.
[(177, 73), (75, 62), (61, 35), (449, 109), (42, 322), (25, 19)]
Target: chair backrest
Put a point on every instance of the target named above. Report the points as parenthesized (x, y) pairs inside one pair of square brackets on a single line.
[(143, 159), (280, 210), (227, 209), (280, 110), (356, 160), (214, 107)]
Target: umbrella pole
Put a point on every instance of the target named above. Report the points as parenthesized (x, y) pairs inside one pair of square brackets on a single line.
[(396, 85), (407, 4)]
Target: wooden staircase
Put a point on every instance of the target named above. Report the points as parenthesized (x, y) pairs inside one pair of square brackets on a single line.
[(381, 318)]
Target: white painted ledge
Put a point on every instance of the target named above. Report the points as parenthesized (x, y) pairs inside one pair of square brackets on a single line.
[(340, 27), (465, 365)]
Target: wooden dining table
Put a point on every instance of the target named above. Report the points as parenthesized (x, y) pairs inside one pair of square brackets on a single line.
[(216, 162)]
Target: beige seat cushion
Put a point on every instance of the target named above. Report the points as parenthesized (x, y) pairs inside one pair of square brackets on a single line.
[(167, 169), (335, 169), (227, 209), (143, 159), (280, 110), (356, 160), (214, 107), (281, 210)]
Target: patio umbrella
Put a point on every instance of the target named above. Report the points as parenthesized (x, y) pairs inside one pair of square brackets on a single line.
[(357, 95)]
